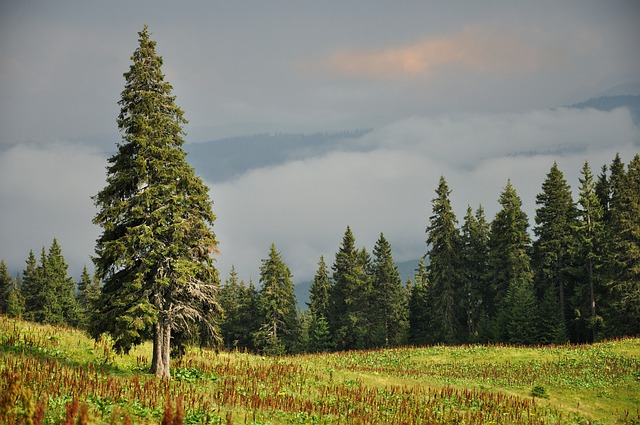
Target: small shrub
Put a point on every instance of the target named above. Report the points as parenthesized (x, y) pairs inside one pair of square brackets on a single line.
[(539, 391)]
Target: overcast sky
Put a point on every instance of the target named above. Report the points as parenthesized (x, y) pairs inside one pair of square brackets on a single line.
[(449, 88)]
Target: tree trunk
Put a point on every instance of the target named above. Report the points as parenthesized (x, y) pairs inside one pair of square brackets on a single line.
[(160, 363), (157, 331), (166, 352), (592, 296)]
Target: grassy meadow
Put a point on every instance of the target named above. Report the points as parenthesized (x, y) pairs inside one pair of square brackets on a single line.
[(56, 375)]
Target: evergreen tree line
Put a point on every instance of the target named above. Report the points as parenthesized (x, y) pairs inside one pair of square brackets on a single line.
[(577, 280), (44, 293)]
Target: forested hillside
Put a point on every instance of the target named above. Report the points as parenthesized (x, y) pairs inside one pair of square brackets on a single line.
[(222, 159)]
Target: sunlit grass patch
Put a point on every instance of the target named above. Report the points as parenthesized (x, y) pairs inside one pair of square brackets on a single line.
[(53, 366)]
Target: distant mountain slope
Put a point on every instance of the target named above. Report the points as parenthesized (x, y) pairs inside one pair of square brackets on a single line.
[(222, 159), (609, 103)]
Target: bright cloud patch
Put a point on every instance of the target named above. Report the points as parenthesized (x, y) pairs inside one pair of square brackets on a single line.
[(472, 49)]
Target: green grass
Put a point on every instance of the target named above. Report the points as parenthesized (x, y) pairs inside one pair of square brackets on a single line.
[(52, 366)]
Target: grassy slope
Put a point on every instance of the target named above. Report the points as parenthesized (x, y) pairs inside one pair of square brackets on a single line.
[(470, 384)]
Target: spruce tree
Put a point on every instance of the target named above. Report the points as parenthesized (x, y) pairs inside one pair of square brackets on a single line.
[(248, 317), (236, 325), (589, 261), (363, 305), (444, 254), (31, 284), (48, 291), (603, 192), (153, 255), (63, 306), (473, 269), (47, 308), (509, 272), (277, 302), (87, 295), (624, 249), (230, 298), (349, 295), (6, 286), (552, 260), (388, 304), (319, 334), (420, 332), (15, 302), (83, 284), (319, 292)]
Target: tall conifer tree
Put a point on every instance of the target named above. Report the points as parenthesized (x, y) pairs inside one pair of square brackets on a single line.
[(230, 297), (475, 237), (420, 332), (277, 304), (624, 248), (552, 255), (319, 292), (349, 295), (31, 283), (153, 255), (48, 291), (6, 286), (388, 304), (510, 274), (62, 287), (444, 252), (589, 256)]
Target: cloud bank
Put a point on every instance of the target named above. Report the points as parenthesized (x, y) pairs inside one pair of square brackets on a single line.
[(386, 183), (383, 182), (46, 193)]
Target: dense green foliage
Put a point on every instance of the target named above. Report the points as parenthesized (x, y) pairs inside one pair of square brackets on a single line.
[(156, 216), (47, 291), (552, 256), (444, 253), (277, 306)]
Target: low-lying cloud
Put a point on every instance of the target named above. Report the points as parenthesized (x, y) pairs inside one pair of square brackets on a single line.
[(387, 184), (383, 182), (46, 193)]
